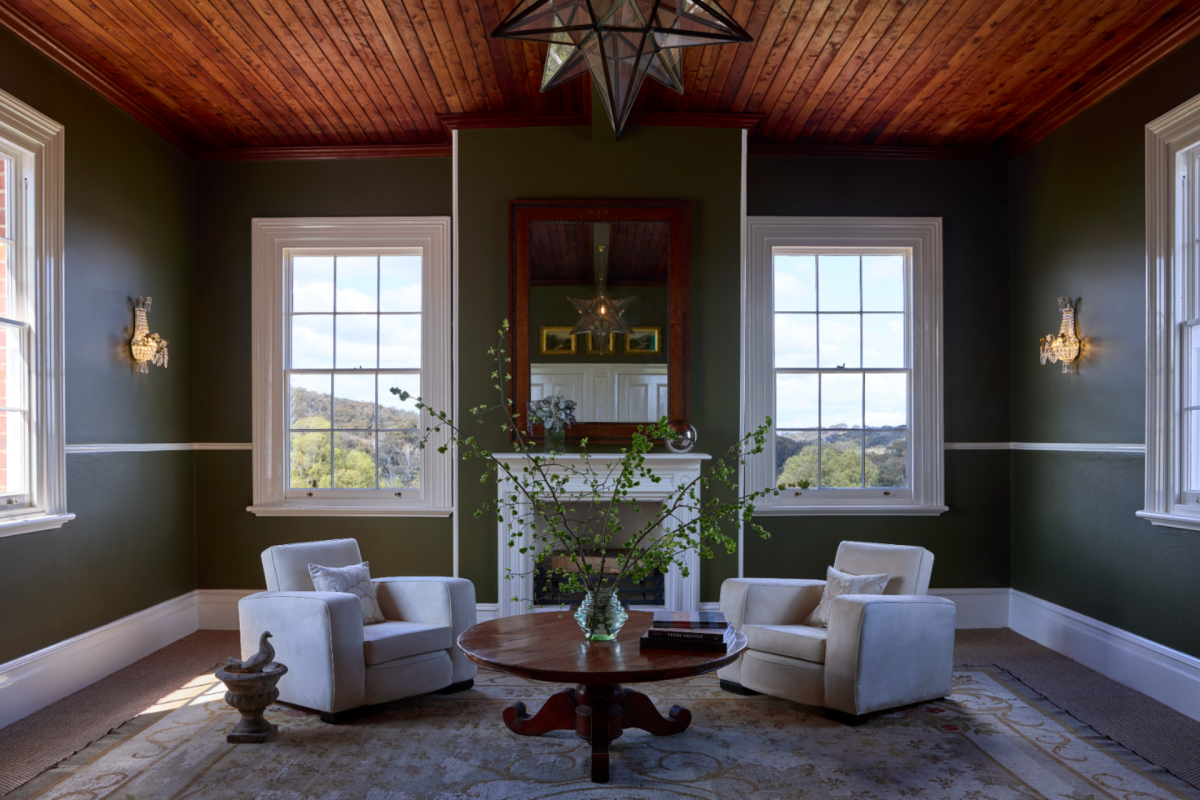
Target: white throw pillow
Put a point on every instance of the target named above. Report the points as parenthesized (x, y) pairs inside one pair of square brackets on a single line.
[(355, 580), (838, 583)]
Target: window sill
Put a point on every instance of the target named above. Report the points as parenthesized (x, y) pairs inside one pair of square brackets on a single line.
[(1171, 520), (33, 523), (847, 510), (313, 510)]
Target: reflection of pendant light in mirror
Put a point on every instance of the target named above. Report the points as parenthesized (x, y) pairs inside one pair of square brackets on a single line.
[(1065, 346), (602, 315)]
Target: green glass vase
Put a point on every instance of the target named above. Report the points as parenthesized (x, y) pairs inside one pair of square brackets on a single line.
[(556, 438), (601, 615)]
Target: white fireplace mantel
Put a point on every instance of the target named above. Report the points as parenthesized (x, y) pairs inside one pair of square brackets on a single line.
[(682, 593)]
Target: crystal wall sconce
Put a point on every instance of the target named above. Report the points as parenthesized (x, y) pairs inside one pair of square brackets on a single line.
[(1065, 346), (147, 348)]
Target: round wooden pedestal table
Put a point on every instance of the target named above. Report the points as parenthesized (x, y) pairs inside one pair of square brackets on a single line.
[(551, 647)]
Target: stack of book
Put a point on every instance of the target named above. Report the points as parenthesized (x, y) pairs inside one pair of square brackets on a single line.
[(707, 631)]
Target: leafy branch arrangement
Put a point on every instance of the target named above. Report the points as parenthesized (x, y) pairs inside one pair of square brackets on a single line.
[(565, 515)]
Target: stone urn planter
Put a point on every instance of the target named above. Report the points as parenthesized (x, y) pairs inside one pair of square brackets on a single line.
[(251, 694)]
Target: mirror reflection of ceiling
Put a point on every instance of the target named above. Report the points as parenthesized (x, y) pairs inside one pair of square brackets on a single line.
[(561, 253)]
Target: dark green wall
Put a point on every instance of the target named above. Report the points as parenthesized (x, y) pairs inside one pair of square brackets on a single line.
[(230, 538), (1078, 229), (496, 166), (130, 206), (971, 541)]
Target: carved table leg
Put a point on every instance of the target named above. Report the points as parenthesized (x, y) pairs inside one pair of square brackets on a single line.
[(598, 720), (558, 714), (639, 712), (598, 713)]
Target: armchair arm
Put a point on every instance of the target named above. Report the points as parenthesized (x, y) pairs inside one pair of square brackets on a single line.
[(432, 601), (885, 651), (318, 635), (766, 601)]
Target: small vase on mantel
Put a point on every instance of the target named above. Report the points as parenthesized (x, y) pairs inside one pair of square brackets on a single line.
[(601, 615), (556, 437)]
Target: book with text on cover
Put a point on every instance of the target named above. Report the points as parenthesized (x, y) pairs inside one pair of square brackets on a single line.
[(694, 634), (690, 619), (720, 645)]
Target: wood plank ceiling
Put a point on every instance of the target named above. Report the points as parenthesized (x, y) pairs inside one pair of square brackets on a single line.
[(259, 76)]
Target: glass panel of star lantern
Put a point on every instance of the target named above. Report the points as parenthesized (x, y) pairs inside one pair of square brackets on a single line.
[(598, 320)]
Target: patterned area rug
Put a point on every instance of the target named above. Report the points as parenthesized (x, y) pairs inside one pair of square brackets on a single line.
[(993, 738)]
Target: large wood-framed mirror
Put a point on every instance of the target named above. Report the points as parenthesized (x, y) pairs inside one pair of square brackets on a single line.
[(558, 249)]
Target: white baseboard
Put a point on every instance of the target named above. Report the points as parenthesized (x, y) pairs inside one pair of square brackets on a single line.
[(1169, 676), (48, 675), (218, 608), (978, 608)]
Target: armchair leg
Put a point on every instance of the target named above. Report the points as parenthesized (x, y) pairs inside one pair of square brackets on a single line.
[(849, 719), (339, 717), (737, 688), (461, 686)]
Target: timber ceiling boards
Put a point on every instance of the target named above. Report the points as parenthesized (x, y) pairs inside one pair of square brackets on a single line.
[(338, 78)]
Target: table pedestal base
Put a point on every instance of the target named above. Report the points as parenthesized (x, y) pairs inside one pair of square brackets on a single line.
[(580, 708)]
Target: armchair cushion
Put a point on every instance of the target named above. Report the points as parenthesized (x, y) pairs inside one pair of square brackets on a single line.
[(286, 565), (909, 566), (354, 579), (390, 640), (838, 583), (798, 641)]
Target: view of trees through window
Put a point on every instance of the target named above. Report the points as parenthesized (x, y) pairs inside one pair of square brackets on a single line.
[(841, 369), (355, 333), (356, 453)]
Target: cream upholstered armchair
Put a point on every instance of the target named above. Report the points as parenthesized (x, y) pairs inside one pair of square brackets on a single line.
[(879, 651), (335, 663)]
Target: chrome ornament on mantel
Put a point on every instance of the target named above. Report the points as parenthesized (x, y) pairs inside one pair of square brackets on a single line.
[(147, 348), (1065, 346), (620, 42)]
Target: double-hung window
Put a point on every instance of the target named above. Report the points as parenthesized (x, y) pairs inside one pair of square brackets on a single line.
[(842, 352), (1173, 318), (345, 311), (32, 453)]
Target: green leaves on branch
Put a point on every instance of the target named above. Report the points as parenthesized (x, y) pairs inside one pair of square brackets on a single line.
[(567, 515)]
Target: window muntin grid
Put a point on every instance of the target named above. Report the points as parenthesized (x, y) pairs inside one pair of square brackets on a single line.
[(354, 326), (843, 368), (15, 433)]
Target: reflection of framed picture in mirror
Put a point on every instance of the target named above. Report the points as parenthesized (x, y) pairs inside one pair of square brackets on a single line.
[(610, 347), (557, 341), (644, 341)]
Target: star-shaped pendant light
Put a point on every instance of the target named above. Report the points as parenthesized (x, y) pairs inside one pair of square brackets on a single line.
[(602, 315), (619, 41)]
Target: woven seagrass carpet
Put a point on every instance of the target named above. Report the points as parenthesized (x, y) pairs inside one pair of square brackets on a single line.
[(993, 738)]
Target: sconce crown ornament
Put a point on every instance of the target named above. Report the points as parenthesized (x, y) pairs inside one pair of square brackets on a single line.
[(1065, 346), (147, 348)]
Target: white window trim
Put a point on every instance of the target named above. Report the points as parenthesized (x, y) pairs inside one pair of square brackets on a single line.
[(272, 238), (42, 138), (922, 236), (1166, 283)]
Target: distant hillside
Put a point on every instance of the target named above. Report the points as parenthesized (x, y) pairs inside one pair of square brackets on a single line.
[(351, 413), (390, 459)]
